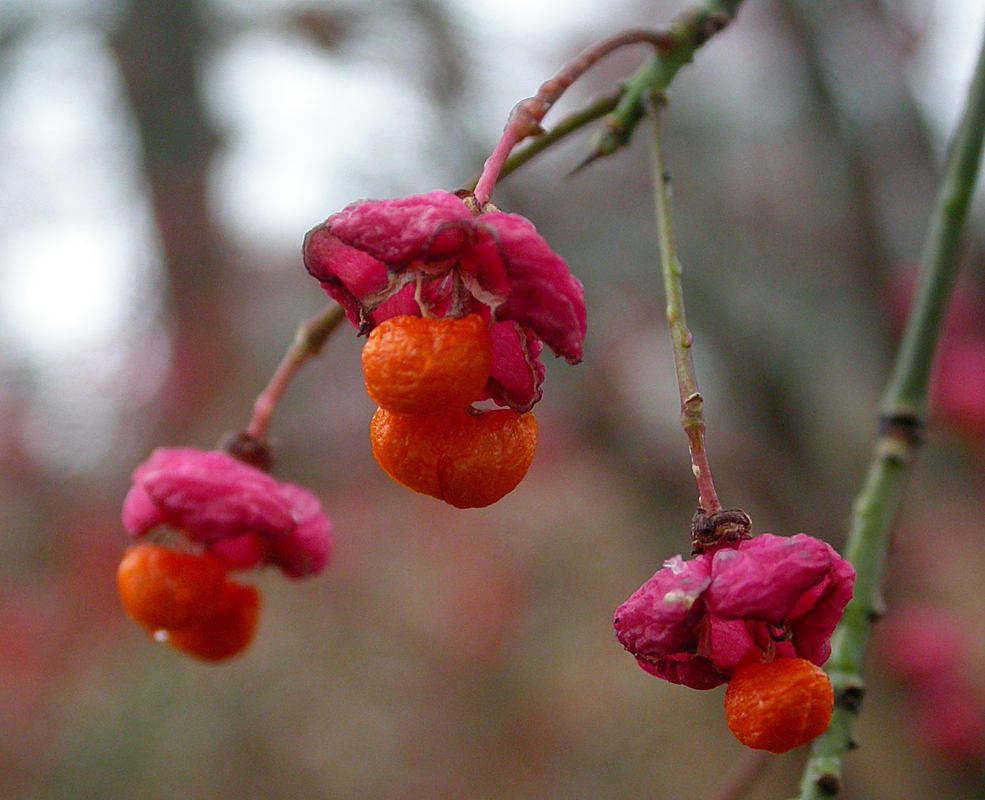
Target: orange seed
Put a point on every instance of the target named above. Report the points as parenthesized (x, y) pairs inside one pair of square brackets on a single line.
[(468, 459), (418, 365), (228, 632), (162, 588), (780, 705)]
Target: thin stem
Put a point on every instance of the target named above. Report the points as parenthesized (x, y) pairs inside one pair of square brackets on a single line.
[(526, 116), (308, 342), (903, 410), (692, 404), (570, 124)]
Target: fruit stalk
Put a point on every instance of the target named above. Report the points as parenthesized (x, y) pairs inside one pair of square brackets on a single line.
[(308, 342), (526, 116), (692, 404), (564, 128)]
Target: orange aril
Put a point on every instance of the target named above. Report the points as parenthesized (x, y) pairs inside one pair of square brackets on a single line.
[(162, 588), (418, 365), (228, 631), (780, 705), (468, 459)]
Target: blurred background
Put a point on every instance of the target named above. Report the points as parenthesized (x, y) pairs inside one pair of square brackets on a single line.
[(160, 162)]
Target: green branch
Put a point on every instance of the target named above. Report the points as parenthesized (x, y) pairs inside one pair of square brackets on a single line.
[(691, 30), (626, 107), (903, 411)]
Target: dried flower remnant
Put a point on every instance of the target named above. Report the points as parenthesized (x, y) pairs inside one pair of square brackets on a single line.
[(241, 515), (230, 515), (458, 299), (694, 621), (440, 255)]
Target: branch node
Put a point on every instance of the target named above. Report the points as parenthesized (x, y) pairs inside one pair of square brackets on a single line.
[(850, 698), (710, 530), (908, 427), (249, 449), (829, 784)]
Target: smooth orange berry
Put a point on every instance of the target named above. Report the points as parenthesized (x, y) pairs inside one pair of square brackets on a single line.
[(228, 632), (780, 705), (418, 365), (467, 459), (162, 588)]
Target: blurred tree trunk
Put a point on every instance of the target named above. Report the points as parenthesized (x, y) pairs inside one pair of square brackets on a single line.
[(159, 45), (876, 142)]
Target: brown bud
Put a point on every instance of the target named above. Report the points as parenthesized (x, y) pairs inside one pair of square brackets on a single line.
[(727, 525), (248, 449)]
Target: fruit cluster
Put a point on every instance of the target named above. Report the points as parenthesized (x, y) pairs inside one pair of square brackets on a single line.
[(425, 373), (226, 515), (757, 614), (188, 601), (694, 621)]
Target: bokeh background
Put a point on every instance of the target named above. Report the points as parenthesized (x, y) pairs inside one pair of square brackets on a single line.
[(160, 161)]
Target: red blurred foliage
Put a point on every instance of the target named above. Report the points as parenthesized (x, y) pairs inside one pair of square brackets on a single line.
[(928, 651), (958, 382)]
